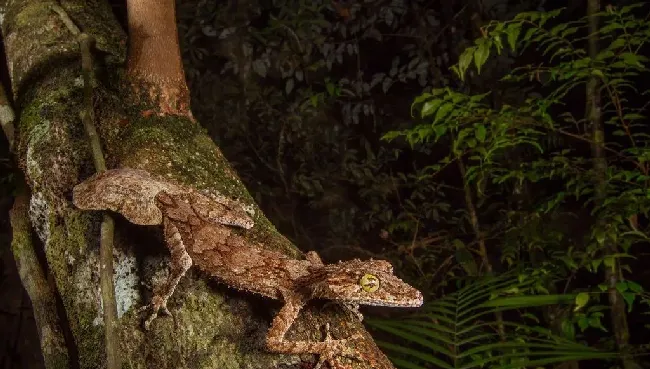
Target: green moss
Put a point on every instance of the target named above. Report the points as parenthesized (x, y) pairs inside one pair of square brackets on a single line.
[(65, 245), (89, 338), (54, 107), (179, 147), (96, 18), (73, 265), (21, 238), (208, 331), (31, 12), (59, 361)]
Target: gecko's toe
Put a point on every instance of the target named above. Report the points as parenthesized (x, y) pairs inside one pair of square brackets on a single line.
[(336, 348), (158, 305), (150, 319), (165, 311), (330, 359)]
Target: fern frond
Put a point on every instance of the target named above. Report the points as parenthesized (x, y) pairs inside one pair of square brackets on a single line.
[(459, 331)]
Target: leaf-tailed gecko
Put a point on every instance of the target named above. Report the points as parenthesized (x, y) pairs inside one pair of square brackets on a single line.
[(198, 231)]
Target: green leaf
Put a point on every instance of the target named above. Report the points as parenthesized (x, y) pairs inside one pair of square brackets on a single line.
[(629, 300), (633, 116), (389, 136), (480, 132), (430, 107), (595, 263), (464, 61), (331, 88), (583, 323), (439, 130), (482, 53), (631, 59), (618, 43), (634, 287), (422, 98), (582, 299), (609, 262), (557, 29), (460, 328), (594, 321), (628, 8), (443, 112), (597, 73), (529, 34), (610, 27), (568, 329), (605, 54)]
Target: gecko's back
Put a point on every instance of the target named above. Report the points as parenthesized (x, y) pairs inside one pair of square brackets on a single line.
[(229, 257)]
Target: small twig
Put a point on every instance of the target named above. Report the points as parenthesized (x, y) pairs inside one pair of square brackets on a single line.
[(108, 226), (87, 115), (7, 117), (66, 19), (417, 227)]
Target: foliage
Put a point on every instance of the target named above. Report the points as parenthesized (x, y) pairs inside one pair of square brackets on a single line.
[(503, 148), (299, 95), (460, 328)]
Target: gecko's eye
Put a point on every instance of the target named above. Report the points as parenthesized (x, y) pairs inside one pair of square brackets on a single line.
[(369, 283)]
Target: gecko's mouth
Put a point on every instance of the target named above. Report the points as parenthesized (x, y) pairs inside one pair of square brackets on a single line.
[(415, 301), (391, 303)]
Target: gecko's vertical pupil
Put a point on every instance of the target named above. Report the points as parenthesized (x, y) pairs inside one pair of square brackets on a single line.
[(369, 283)]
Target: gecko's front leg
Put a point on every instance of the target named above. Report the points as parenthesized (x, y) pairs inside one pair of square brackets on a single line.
[(275, 340), (317, 263), (180, 263)]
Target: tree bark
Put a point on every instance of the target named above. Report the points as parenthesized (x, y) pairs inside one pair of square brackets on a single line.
[(212, 326), (154, 62)]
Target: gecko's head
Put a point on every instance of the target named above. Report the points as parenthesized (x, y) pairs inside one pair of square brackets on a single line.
[(365, 282)]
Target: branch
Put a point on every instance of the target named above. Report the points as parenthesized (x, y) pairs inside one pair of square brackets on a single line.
[(51, 327), (7, 117)]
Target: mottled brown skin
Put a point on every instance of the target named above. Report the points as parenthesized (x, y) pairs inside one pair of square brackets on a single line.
[(229, 258), (131, 192), (194, 236)]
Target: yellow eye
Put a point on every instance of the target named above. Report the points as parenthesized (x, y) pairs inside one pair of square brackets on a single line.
[(369, 283)]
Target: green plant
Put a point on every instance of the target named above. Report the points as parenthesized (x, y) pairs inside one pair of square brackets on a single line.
[(459, 330), (599, 175)]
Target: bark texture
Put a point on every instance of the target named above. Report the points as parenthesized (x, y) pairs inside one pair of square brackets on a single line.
[(613, 274), (213, 326), (154, 64), (55, 352)]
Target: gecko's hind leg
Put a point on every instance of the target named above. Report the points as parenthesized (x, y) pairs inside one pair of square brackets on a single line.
[(327, 350), (337, 349), (181, 262)]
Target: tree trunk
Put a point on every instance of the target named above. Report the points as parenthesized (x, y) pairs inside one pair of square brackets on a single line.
[(593, 114), (151, 129)]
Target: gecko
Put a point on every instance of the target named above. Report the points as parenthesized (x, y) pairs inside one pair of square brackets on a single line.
[(198, 230)]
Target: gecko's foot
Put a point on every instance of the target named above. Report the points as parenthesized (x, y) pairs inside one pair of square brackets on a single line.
[(158, 305), (336, 348)]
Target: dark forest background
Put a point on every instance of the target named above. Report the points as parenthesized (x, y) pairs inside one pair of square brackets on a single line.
[(496, 152)]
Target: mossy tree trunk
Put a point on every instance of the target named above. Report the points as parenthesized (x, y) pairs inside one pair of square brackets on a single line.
[(144, 122)]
